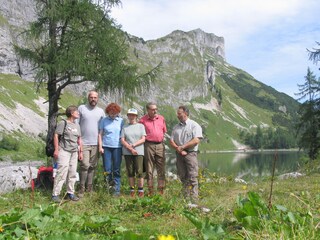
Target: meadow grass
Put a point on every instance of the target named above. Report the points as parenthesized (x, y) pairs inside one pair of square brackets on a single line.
[(99, 215)]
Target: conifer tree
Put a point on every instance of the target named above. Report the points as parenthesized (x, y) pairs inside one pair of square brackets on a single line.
[(74, 41), (309, 122)]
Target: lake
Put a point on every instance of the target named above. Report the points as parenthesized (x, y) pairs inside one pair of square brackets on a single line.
[(247, 165)]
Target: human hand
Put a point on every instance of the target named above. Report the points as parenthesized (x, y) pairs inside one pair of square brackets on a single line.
[(55, 154), (134, 152), (101, 150), (183, 153)]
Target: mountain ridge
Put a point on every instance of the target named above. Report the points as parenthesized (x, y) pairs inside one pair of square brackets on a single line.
[(194, 72)]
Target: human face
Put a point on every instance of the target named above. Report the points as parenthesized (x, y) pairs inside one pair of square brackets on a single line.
[(152, 111), (182, 115), (132, 118), (75, 114), (93, 99), (113, 114)]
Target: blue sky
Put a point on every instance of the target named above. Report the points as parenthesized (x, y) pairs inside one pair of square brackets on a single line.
[(267, 38)]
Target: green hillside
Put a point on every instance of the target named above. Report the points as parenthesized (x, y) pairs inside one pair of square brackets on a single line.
[(19, 144), (228, 103), (245, 103)]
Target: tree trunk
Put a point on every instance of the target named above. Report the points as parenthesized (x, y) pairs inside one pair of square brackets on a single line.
[(53, 95), (53, 92)]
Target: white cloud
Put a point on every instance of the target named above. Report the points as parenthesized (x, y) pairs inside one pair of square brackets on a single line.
[(266, 38), (153, 19)]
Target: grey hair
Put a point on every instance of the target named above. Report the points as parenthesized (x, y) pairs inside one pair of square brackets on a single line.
[(149, 104), (92, 91)]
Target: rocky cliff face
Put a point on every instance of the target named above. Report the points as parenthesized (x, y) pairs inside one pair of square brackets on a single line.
[(186, 51), (185, 61), (15, 15)]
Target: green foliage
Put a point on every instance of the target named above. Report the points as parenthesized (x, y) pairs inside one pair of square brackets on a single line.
[(9, 143), (309, 122), (259, 94), (170, 115), (269, 139), (15, 90), (280, 119), (20, 147), (254, 214), (51, 222), (3, 20), (314, 54), (250, 211), (254, 219), (77, 41), (100, 216), (207, 229), (153, 205), (219, 94)]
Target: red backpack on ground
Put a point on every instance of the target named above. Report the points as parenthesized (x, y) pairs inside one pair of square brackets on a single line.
[(44, 178)]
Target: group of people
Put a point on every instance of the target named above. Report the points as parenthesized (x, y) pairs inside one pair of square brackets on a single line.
[(89, 131)]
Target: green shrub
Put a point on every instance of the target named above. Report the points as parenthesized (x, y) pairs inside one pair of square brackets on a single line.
[(9, 143)]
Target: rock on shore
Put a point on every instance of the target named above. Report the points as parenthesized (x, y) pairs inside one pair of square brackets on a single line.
[(14, 177)]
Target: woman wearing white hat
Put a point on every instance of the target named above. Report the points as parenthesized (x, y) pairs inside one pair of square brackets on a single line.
[(132, 139)]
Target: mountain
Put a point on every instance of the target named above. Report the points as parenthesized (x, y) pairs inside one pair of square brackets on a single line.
[(222, 98)]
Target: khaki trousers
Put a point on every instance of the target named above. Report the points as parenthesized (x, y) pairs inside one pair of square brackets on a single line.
[(187, 169), (154, 154), (66, 171), (88, 164)]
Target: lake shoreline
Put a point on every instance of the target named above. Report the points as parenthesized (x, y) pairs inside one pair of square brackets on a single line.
[(251, 150)]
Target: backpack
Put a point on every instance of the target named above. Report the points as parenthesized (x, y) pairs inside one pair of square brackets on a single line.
[(50, 145), (45, 178)]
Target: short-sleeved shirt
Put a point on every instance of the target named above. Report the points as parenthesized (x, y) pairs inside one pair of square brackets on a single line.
[(69, 140), (89, 123), (111, 131), (185, 132), (155, 127), (132, 133)]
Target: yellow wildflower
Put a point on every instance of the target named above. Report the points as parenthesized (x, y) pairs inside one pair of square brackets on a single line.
[(1, 229), (163, 237)]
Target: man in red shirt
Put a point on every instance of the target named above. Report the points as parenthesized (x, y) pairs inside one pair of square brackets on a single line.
[(155, 126)]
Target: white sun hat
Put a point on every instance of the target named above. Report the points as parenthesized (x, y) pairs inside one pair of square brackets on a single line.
[(132, 111)]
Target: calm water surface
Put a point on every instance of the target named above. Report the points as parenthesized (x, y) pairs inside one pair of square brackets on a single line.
[(247, 165)]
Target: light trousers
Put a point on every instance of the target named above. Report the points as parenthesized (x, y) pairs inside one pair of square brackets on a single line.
[(187, 169), (66, 172), (88, 164)]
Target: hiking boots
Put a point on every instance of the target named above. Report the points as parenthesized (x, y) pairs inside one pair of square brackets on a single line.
[(70, 196), (81, 191), (56, 199), (89, 188), (73, 197)]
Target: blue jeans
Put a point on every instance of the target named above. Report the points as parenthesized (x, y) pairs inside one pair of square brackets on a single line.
[(112, 166)]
